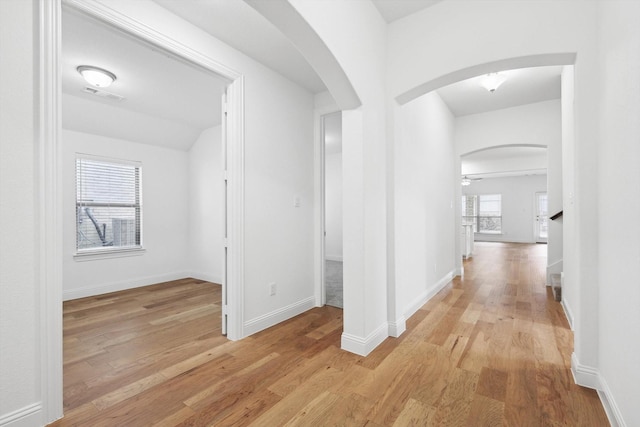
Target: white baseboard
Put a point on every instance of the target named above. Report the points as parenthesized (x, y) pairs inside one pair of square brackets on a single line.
[(567, 311), (584, 375), (29, 416), (364, 346), (588, 376), (458, 272), (207, 277), (610, 407), (397, 327), (90, 291), (333, 257), (427, 295), (273, 318), (554, 268)]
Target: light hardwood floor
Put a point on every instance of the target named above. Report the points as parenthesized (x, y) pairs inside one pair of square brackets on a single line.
[(491, 349)]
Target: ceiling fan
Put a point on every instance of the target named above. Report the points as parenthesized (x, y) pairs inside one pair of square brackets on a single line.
[(467, 181)]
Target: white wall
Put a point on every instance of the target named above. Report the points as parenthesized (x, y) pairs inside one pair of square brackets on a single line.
[(165, 218), (206, 207), (618, 207), (425, 210), (20, 375), (333, 206), (530, 124), (518, 205)]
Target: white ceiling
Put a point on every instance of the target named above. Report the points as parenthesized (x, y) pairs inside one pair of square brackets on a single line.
[(167, 102), (392, 10), (523, 86), (177, 101), (243, 28)]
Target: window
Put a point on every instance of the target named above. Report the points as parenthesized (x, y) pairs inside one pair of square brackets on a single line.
[(108, 205), (484, 211)]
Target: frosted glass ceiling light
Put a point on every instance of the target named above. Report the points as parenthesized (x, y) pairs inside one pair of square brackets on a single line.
[(466, 181), (492, 81), (96, 76)]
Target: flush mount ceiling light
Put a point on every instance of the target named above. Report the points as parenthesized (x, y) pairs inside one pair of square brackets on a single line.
[(96, 76), (492, 81), (466, 181)]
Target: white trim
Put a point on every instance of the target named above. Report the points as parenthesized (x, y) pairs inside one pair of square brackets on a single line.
[(280, 315), (96, 254), (554, 268), (106, 288), (397, 327), (49, 214), (364, 346), (427, 295), (586, 376), (610, 406), (337, 258), (567, 312), (458, 271), (28, 416), (319, 202)]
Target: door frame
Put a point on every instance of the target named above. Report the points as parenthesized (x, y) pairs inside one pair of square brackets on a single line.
[(319, 200), (49, 192)]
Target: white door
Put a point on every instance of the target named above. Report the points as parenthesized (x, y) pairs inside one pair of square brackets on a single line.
[(541, 218)]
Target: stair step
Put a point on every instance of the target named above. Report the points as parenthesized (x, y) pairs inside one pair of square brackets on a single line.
[(556, 286)]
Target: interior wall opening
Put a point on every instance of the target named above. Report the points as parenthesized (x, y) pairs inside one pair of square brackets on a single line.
[(333, 261)]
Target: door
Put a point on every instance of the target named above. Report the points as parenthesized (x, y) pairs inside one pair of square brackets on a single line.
[(541, 218)]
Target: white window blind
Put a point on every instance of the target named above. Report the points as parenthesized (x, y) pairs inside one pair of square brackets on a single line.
[(108, 204)]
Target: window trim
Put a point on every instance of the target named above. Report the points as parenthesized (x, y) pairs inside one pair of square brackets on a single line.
[(475, 222), (106, 252)]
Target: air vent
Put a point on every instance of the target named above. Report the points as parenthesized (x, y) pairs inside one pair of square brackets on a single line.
[(102, 93)]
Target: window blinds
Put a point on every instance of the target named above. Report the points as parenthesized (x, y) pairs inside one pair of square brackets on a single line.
[(108, 204)]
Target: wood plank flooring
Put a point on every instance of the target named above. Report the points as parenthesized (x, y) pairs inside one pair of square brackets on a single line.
[(490, 349)]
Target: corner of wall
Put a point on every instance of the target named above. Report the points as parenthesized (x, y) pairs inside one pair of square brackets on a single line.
[(397, 327), (364, 346), (588, 376)]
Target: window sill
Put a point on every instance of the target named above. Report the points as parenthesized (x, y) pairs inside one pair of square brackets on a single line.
[(106, 254), (490, 233)]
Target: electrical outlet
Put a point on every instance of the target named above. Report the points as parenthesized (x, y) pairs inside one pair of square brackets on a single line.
[(272, 289)]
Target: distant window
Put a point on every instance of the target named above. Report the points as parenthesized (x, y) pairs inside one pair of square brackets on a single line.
[(108, 204), (484, 211)]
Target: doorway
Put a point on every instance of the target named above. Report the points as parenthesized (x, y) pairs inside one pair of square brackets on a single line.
[(541, 222), (51, 163), (333, 262), (162, 113)]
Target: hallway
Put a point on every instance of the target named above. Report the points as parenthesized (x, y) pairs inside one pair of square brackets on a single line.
[(491, 349)]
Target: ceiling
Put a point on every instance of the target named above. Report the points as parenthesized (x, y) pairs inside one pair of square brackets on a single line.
[(392, 10), (523, 86), (167, 102), (240, 26)]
